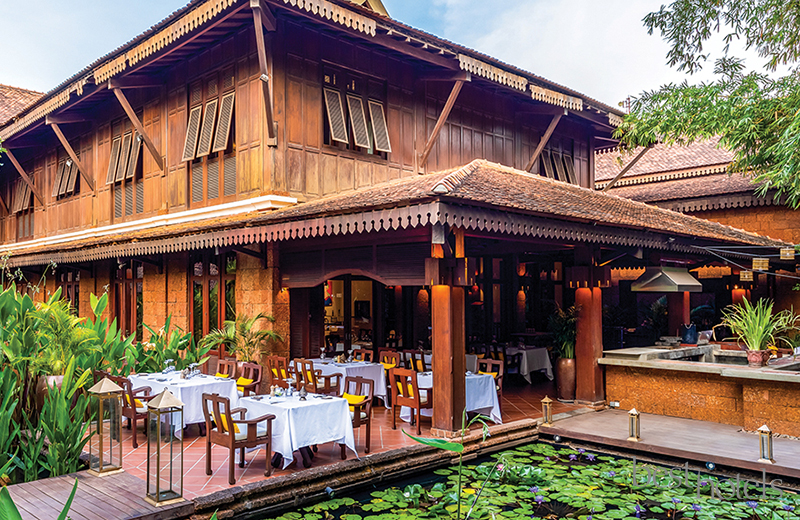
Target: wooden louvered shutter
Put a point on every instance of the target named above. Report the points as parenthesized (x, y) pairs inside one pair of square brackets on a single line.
[(213, 178), (73, 178), (124, 155), (548, 164), (335, 110), (192, 132), (358, 120), (62, 190), (21, 187), (224, 124), (133, 160), (140, 197), (197, 182), (379, 127), (112, 163), (117, 203), (562, 175), (570, 169), (229, 175), (128, 199), (26, 196), (17, 203), (57, 179), (207, 132)]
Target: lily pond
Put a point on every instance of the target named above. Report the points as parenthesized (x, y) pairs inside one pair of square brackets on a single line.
[(543, 481)]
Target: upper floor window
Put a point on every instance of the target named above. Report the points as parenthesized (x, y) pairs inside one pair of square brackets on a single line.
[(125, 170), (65, 182), (22, 207), (557, 161), (355, 118), (209, 148)]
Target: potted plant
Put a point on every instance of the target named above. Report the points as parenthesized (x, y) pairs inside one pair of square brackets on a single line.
[(242, 338), (758, 328), (563, 326)]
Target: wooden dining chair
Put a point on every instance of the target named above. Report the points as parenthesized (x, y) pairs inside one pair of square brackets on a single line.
[(134, 404), (493, 368), (279, 370), (362, 354), (250, 380), (235, 433), (389, 359), (359, 392), (416, 361), (226, 368), (313, 380), (406, 392)]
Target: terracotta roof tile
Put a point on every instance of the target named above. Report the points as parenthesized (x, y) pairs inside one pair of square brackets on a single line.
[(687, 188), (661, 159), (13, 100)]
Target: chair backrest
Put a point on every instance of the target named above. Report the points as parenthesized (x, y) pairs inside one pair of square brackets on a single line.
[(513, 361), (253, 371), (306, 375), (405, 391), (392, 343), (357, 385), (499, 351), (98, 375), (491, 366), (128, 401), (362, 354), (217, 409), (389, 357), (278, 368), (417, 361), (480, 349), (227, 367)]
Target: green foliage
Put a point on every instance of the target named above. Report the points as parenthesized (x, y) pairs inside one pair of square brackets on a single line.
[(756, 326), (112, 352), (563, 324), (755, 113), (242, 337), (65, 421), (9, 429), (167, 343), (63, 335)]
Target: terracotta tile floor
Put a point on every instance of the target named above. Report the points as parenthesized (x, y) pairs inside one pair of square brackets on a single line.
[(520, 401)]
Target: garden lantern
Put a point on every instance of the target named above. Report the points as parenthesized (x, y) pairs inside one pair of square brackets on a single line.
[(765, 445), (634, 431), (745, 276), (105, 448), (787, 253), (164, 449), (547, 411)]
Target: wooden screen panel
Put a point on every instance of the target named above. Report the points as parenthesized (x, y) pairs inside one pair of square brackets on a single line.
[(213, 178), (207, 132), (117, 202), (128, 199), (124, 155), (335, 110), (197, 182), (192, 133), (358, 120), (224, 124), (140, 197), (562, 175), (569, 167), (57, 179), (133, 160), (112, 162), (229, 175), (548, 164), (72, 180)]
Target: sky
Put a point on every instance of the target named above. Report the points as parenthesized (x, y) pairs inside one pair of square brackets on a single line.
[(597, 47)]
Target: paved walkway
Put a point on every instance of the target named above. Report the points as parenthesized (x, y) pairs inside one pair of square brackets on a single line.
[(688, 439)]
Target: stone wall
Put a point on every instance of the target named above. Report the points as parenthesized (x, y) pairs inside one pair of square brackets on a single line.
[(748, 403)]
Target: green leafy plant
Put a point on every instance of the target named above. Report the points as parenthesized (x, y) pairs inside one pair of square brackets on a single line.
[(9, 511), (65, 422), (112, 352), (9, 429), (62, 335), (167, 343), (243, 337), (563, 324), (756, 326)]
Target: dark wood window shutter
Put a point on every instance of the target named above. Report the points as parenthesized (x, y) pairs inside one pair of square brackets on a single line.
[(57, 179), (213, 178), (197, 182), (124, 155), (73, 178), (140, 196), (229, 174), (335, 110), (569, 166), (112, 163), (117, 202), (192, 132), (26, 196), (128, 199), (17, 203), (133, 160), (548, 164), (195, 93), (20, 195), (207, 132), (62, 190), (224, 124), (559, 162), (379, 127), (358, 120)]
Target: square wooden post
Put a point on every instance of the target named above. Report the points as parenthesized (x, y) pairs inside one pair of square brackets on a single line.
[(589, 346), (449, 362), (678, 312)]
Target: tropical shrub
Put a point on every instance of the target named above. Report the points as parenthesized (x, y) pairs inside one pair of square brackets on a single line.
[(242, 338), (167, 343), (563, 324), (62, 334), (756, 326)]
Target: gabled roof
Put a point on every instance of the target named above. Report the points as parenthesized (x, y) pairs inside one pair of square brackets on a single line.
[(374, 5), (686, 188), (14, 99)]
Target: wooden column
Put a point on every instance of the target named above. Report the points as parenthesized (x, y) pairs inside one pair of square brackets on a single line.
[(589, 345), (678, 311), (449, 362)]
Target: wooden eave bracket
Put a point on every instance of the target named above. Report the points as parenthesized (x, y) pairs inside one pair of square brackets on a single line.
[(126, 106), (264, 19), (25, 177), (545, 138), (627, 168), (72, 155), (260, 255), (448, 106)]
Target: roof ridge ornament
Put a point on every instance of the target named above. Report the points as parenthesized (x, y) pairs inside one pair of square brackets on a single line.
[(452, 180), (335, 13)]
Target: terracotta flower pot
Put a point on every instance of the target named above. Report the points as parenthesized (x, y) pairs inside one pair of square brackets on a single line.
[(565, 379), (42, 386), (758, 358)]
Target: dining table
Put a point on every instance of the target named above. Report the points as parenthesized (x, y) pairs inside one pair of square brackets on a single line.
[(480, 394), (533, 359), (365, 369), (301, 423)]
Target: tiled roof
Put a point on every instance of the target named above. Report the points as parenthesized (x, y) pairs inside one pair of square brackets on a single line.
[(686, 188), (479, 184), (13, 100), (661, 159)]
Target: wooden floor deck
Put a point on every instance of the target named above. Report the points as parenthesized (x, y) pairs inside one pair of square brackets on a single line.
[(113, 497), (686, 439)]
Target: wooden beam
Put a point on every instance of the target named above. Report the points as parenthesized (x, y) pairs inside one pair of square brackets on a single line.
[(65, 118), (260, 21), (72, 154), (138, 126), (136, 82), (448, 106), (627, 168), (546, 137), (25, 177), (267, 18), (542, 110), (447, 75)]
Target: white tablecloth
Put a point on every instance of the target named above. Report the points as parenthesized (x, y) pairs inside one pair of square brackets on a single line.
[(533, 359), (373, 371), (481, 396), (303, 423), (189, 391)]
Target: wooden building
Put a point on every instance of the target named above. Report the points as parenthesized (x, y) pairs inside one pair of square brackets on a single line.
[(360, 180)]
